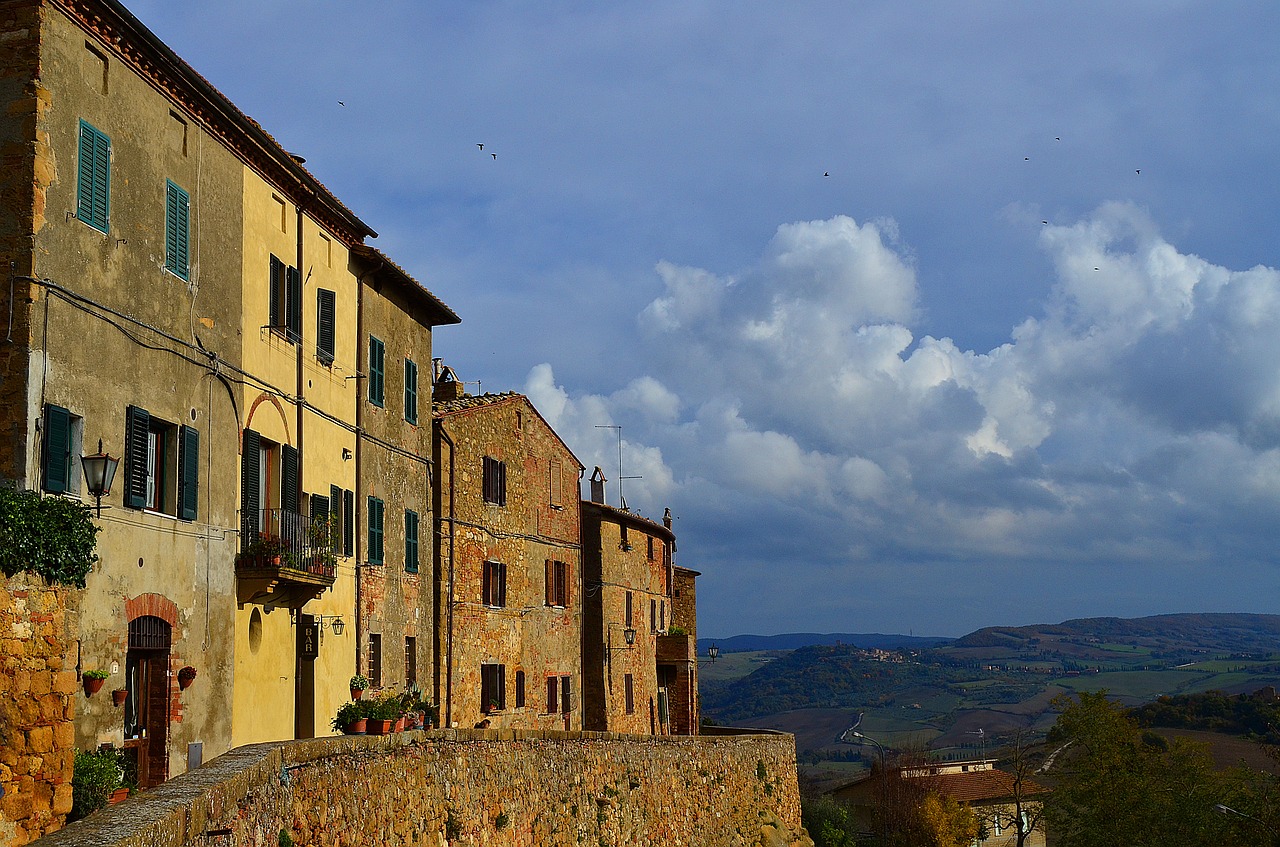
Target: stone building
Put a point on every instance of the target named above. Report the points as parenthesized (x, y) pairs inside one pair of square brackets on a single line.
[(394, 619), (184, 292), (507, 565)]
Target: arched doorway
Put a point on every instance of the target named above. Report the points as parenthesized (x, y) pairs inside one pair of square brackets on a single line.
[(146, 709)]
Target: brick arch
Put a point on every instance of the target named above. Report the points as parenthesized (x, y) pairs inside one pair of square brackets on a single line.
[(155, 605), (274, 401)]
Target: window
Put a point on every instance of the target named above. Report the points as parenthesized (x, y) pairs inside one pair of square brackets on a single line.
[(553, 695), (519, 689), (375, 531), (566, 693), (375, 659), (649, 540), (410, 660), (662, 615), (555, 483), (60, 470), (493, 688), (653, 615), (495, 481), (177, 214), (286, 300), (493, 586), (625, 543), (325, 325), (410, 391), (410, 541), (557, 583), (377, 387), (628, 686), (93, 182), (162, 465), (629, 608)]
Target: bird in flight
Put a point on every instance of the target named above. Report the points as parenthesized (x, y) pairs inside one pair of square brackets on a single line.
[(494, 155), (1046, 223), (340, 103), (481, 146), (1026, 158), (828, 173), (1138, 171)]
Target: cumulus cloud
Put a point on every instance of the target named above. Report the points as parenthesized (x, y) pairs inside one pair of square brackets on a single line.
[(1135, 421)]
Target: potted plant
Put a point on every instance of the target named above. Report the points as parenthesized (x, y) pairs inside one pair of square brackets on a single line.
[(322, 535), (358, 684), (264, 550), (351, 718), (118, 696), (382, 714), (93, 680), (186, 676), (96, 776)]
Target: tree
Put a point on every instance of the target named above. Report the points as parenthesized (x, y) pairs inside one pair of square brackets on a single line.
[(946, 822), (1119, 785), (1020, 760)]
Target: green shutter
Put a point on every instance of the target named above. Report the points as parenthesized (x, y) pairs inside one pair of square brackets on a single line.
[(250, 502), (93, 183), (375, 531), (57, 449), (293, 305), (411, 541), (188, 472), (410, 391), (325, 325), (176, 220), (275, 307), (376, 385), (348, 523), (137, 424), (290, 492)]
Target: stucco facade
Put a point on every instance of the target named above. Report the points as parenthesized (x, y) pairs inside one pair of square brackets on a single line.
[(508, 565)]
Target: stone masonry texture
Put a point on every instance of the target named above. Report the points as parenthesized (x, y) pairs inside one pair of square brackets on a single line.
[(471, 787)]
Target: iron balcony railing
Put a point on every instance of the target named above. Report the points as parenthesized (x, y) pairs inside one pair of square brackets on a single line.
[(282, 539)]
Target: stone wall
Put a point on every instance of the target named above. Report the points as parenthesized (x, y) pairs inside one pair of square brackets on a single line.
[(471, 787), (37, 703)]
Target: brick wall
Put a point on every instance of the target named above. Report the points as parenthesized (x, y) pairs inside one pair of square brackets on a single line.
[(37, 703), (471, 787)]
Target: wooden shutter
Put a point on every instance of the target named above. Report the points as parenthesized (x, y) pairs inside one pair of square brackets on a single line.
[(502, 584), (566, 694), (177, 212), (290, 490), (374, 553), (411, 541), (410, 391), (276, 306), (136, 425), (486, 584), (519, 689), (250, 505), (93, 185), (188, 473), (325, 326), (554, 483), (293, 306), (566, 580), (348, 523), (335, 509), (553, 695), (57, 449), (550, 582)]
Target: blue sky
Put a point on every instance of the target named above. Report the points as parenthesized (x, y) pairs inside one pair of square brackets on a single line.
[(919, 316)]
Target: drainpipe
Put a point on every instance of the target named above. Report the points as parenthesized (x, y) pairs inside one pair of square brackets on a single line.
[(298, 393), (448, 654)]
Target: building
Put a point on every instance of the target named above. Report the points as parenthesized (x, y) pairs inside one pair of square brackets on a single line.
[(638, 651), (508, 569), (184, 293), (1004, 808), (395, 612)]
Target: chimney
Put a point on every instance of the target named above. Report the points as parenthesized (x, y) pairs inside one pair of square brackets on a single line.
[(447, 386), (666, 518), (597, 485)]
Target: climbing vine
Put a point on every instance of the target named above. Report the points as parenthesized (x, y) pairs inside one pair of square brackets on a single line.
[(54, 537)]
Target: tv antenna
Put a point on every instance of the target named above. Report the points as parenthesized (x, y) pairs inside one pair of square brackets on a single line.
[(622, 501), (982, 742)]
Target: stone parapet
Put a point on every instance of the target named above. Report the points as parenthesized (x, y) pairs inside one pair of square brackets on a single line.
[(525, 788)]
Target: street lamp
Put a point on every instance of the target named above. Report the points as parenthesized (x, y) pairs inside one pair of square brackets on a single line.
[(628, 635), (99, 473), (714, 652)]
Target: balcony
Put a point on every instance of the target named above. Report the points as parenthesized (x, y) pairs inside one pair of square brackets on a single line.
[(285, 559), (676, 649)]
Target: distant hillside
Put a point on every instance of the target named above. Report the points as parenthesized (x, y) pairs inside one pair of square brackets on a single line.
[(796, 640)]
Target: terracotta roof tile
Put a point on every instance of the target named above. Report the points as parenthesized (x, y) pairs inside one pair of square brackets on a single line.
[(978, 785)]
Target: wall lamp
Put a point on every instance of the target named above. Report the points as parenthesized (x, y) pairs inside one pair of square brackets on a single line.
[(714, 652), (628, 635), (335, 623), (99, 473)]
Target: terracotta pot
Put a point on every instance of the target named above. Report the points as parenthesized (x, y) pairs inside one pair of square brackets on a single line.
[(356, 693), (359, 726), (118, 796), (377, 726), (184, 682), (92, 686), (119, 696), (399, 724)]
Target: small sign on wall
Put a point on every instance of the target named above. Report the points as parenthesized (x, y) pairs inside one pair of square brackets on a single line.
[(308, 640)]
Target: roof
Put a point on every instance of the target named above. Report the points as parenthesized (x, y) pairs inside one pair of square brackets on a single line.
[(438, 314), (977, 786), (481, 402), (130, 41), (628, 517)]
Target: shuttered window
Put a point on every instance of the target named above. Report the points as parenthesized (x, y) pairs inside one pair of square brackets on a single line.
[(250, 501), (495, 481), (276, 295), (137, 426), (629, 687), (325, 325), (348, 523), (410, 391), (566, 694), (93, 181), (286, 300), (377, 386), (553, 694), (375, 531), (493, 587), (176, 219), (519, 689), (56, 460), (290, 480), (188, 473), (493, 687), (557, 583), (410, 541)]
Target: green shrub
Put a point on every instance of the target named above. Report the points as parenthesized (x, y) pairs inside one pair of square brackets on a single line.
[(95, 673), (54, 537), (96, 775)]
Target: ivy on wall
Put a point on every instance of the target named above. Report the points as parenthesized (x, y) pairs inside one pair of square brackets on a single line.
[(52, 536)]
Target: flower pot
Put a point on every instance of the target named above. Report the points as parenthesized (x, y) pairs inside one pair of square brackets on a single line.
[(399, 724), (184, 682), (359, 726), (119, 795), (377, 726), (92, 686), (119, 696), (356, 693)]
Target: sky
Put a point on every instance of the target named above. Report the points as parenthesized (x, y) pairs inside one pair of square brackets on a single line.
[(919, 316)]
